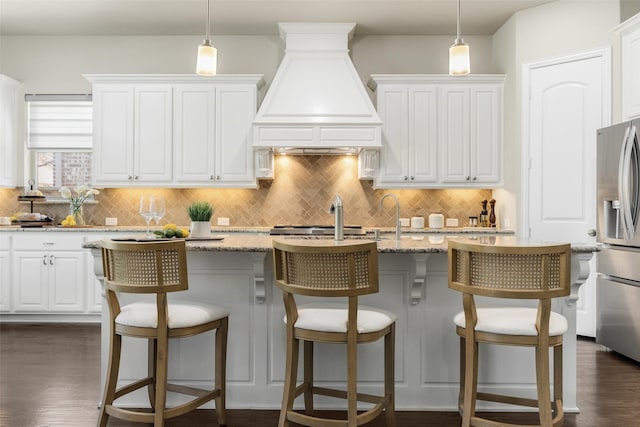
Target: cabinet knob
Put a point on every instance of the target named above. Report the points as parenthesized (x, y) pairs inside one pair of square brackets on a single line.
[(130, 177), (44, 260), (468, 178), (406, 178), (217, 177), (591, 232), (51, 258), (212, 178), (135, 176), (475, 177), (412, 178)]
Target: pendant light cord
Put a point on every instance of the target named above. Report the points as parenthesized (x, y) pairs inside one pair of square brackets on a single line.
[(458, 22), (209, 19)]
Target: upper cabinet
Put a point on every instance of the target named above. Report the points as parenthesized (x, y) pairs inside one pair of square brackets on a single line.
[(132, 134), (439, 131), (173, 130), (8, 132), (630, 42)]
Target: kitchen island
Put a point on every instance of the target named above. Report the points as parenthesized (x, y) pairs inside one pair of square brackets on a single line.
[(236, 273)]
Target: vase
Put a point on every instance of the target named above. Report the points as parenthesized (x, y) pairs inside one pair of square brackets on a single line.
[(200, 229), (76, 212)]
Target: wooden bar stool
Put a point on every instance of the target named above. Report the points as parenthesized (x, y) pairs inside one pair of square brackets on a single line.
[(519, 272), (156, 268), (323, 269)]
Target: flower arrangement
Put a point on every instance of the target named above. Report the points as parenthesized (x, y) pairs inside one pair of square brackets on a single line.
[(76, 198)]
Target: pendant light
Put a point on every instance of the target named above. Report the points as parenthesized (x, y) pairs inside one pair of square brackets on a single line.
[(207, 53), (459, 64)]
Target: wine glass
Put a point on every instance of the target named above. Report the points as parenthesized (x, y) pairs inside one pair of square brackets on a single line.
[(147, 210), (159, 209)]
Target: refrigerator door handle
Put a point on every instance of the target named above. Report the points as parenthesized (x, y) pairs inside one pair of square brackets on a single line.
[(623, 183)]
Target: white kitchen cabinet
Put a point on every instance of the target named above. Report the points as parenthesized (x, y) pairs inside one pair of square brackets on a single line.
[(213, 130), (5, 277), (132, 134), (48, 274), (408, 157), (8, 132), (174, 130), (630, 60), (439, 131), (470, 134)]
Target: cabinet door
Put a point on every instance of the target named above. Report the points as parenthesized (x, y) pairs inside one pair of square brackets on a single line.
[(8, 134), (454, 134), (113, 133), (30, 281), (5, 282), (153, 136), (423, 135), (631, 70), (194, 136), (66, 281), (394, 156), (235, 110), (486, 133)]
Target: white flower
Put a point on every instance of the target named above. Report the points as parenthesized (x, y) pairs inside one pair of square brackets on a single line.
[(82, 193)]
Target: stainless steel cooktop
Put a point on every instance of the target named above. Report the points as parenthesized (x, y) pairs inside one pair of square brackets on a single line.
[(314, 230)]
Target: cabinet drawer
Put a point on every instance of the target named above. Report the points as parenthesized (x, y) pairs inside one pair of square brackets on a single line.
[(48, 241)]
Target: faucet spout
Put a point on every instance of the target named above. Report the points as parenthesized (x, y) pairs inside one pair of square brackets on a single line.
[(338, 215), (398, 228)]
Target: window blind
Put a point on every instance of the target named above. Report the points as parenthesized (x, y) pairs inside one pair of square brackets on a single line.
[(59, 122)]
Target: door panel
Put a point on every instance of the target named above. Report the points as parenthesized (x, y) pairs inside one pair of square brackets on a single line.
[(566, 106)]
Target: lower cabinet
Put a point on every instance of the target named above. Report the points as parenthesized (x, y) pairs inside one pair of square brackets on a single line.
[(5, 278), (49, 281), (46, 276), (49, 273)]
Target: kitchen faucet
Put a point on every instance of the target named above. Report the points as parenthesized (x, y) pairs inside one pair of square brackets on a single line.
[(398, 230), (338, 226)]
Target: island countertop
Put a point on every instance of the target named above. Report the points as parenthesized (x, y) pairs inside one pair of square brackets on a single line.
[(409, 243)]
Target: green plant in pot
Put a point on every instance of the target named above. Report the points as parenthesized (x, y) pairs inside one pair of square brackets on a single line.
[(200, 214)]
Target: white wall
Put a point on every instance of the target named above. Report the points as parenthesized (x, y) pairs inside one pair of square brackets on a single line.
[(551, 30)]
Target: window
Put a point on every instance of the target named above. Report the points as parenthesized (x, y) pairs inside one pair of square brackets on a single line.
[(59, 140)]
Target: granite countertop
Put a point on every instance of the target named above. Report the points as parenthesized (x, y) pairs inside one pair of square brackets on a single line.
[(262, 242)]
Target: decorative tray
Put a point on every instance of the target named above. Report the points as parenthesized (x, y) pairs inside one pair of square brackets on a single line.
[(163, 239), (39, 223)]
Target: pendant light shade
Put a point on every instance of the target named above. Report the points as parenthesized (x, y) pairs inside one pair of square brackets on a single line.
[(459, 62), (207, 53)]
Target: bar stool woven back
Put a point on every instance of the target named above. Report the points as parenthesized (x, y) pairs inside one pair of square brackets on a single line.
[(332, 270), (520, 272), (156, 268)]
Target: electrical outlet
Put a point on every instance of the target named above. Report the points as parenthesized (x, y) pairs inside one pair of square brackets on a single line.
[(404, 222), (223, 221), (110, 221)]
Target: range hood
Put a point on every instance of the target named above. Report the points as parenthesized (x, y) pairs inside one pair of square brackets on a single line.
[(317, 103)]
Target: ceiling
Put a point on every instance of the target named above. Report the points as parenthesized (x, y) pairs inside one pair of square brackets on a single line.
[(251, 17)]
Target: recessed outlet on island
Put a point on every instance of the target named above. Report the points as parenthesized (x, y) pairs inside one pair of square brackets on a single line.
[(223, 221)]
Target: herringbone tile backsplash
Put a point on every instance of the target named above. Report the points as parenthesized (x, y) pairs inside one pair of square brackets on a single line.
[(301, 193)]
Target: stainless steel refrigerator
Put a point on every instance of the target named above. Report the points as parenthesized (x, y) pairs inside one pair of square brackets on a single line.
[(618, 264)]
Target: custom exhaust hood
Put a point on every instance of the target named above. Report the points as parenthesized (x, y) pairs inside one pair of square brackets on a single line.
[(317, 103)]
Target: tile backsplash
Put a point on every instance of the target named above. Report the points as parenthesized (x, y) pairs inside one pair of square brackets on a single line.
[(301, 193)]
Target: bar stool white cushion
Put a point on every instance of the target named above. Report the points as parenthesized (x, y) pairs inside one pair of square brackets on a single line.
[(333, 318), (181, 314), (513, 321)]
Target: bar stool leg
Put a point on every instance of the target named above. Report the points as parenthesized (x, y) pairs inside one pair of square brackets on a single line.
[(151, 371), (470, 381), (308, 376), (221, 370), (291, 370), (557, 382), (161, 379), (389, 376), (112, 377), (352, 381)]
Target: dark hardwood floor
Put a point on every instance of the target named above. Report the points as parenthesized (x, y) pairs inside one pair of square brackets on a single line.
[(49, 376)]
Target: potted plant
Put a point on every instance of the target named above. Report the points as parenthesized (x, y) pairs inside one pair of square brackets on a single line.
[(200, 214)]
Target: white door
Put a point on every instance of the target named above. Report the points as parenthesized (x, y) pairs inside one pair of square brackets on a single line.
[(568, 101)]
